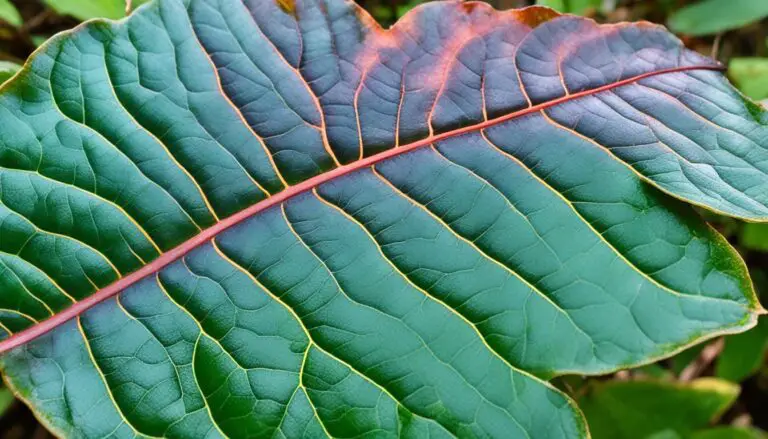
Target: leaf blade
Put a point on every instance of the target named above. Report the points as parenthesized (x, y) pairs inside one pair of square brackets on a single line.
[(293, 232)]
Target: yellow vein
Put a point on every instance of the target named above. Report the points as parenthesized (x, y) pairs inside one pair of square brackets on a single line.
[(87, 345), (66, 238), (19, 313), (498, 192), (427, 295), (205, 400), (130, 316), (168, 153), (578, 214), (478, 249), (306, 331), (306, 392), (322, 262), (24, 287), (239, 114), (208, 132), (40, 271), (90, 129), (452, 59), (86, 193), (298, 74), (197, 322)]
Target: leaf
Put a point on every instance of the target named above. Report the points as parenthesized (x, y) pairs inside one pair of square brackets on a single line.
[(665, 434), (754, 237), (9, 13), (679, 362), (578, 7), (261, 218), (743, 354), (7, 70), (38, 40), (713, 433), (729, 433), (750, 75), (638, 409), (712, 16), (88, 9), (6, 400)]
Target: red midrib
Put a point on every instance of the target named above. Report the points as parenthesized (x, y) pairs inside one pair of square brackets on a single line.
[(206, 235)]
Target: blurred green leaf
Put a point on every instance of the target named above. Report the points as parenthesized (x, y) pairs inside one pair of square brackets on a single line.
[(666, 434), (754, 237), (6, 400), (578, 7), (558, 5), (684, 358), (638, 409), (728, 433), (9, 13), (750, 75), (8, 69), (87, 9), (713, 16), (743, 354), (38, 40), (655, 371)]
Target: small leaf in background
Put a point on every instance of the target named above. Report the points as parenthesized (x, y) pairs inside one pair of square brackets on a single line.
[(7, 70), (754, 237), (679, 362), (9, 13), (638, 409), (578, 7), (750, 75), (38, 40), (713, 16), (728, 433), (6, 399), (87, 9), (666, 434), (743, 354), (655, 371)]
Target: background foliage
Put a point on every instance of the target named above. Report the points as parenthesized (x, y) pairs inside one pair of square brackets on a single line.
[(714, 391)]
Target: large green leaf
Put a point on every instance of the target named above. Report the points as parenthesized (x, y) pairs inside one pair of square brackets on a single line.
[(643, 409), (296, 223)]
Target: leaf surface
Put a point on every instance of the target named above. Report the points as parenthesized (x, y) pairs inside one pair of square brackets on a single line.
[(295, 223)]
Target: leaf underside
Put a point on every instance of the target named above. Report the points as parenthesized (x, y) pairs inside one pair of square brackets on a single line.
[(419, 296)]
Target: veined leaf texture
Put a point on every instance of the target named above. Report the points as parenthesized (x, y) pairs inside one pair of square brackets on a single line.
[(249, 218)]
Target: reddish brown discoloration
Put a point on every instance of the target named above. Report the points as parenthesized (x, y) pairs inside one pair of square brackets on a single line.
[(287, 6), (535, 15), (367, 19)]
